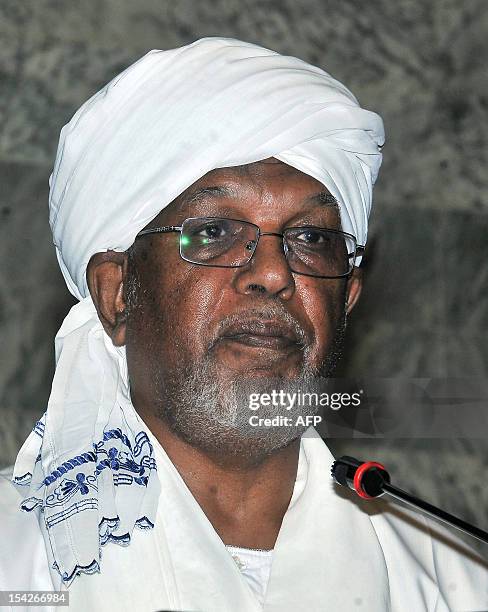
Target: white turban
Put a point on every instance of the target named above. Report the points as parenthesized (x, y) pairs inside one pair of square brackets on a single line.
[(126, 154), (175, 115)]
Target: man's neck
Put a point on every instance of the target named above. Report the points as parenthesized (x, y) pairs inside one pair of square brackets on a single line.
[(245, 503)]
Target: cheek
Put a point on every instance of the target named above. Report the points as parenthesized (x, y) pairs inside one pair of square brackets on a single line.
[(323, 303), (179, 303)]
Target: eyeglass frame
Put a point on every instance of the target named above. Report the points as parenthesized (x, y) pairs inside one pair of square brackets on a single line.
[(178, 228)]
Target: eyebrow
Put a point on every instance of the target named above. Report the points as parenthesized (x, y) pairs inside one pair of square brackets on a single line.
[(323, 198), (204, 192)]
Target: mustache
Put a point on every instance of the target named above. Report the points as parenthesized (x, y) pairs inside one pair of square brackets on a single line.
[(275, 312)]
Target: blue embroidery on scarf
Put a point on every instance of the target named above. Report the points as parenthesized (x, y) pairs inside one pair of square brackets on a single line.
[(105, 529), (80, 506), (126, 460), (23, 480), (144, 523), (26, 478), (114, 459), (108, 525), (128, 466), (68, 487), (92, 568), (39, 427), (30, 503), (69, 465), (81, 483)]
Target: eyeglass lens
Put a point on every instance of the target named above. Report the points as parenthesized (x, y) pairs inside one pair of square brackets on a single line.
[(231, 243)]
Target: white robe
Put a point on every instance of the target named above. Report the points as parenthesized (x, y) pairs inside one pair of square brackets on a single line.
[(333, 554)]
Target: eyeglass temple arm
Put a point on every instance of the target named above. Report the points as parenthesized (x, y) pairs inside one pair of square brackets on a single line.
[(160, 230), (359, 251)]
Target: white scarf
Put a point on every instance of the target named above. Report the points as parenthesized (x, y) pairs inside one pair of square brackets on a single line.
[(88, 464)]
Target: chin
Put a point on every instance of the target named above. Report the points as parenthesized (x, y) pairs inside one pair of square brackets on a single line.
[(286, 368), (231, 447)]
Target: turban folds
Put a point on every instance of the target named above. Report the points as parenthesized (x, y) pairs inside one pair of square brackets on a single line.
[(127, 153), (174, 115)]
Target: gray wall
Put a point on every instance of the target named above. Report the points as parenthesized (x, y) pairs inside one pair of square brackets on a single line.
[(421, 65)]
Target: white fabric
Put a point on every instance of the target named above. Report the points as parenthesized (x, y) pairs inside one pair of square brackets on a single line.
[(255, 566), (125, 155), (87, 468), (333, 552)]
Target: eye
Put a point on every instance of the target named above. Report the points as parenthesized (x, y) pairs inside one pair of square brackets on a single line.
[(212, 230), (311, 236)]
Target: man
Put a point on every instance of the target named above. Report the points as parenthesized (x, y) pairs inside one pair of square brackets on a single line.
[(208, 208)]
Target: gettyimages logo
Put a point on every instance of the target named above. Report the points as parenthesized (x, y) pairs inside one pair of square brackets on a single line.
[(297, 404), (308, 403)]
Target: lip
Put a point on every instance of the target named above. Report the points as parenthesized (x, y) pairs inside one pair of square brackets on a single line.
[(274, 335)]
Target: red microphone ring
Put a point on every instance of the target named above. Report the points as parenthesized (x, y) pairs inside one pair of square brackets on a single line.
[(358, 477)]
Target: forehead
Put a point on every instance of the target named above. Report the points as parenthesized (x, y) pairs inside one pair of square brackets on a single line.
[(267, 175), (265, 184), (267, 169)]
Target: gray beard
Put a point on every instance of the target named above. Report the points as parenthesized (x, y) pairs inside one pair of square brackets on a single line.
[(212, 414)]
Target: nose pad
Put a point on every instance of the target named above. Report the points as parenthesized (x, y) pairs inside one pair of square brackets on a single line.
[(283, 249), (251, 245)]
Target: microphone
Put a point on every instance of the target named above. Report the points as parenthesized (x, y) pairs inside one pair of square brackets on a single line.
[(370, 479)]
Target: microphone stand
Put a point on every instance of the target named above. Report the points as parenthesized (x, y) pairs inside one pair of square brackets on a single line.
[(370, 479)]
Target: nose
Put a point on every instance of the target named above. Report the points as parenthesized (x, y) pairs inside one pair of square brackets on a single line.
[(268, 271)]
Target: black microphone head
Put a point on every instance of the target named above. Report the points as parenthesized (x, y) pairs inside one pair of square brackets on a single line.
[(367, 483), (339, 473), (344, 468)]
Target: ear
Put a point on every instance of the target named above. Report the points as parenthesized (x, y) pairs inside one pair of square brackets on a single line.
[(106, 274), (354, 287)]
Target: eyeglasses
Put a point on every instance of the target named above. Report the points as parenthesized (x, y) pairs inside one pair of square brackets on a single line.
[(231, 243)]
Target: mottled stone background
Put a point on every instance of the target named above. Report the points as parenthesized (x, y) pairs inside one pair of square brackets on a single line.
[(421, 65)]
